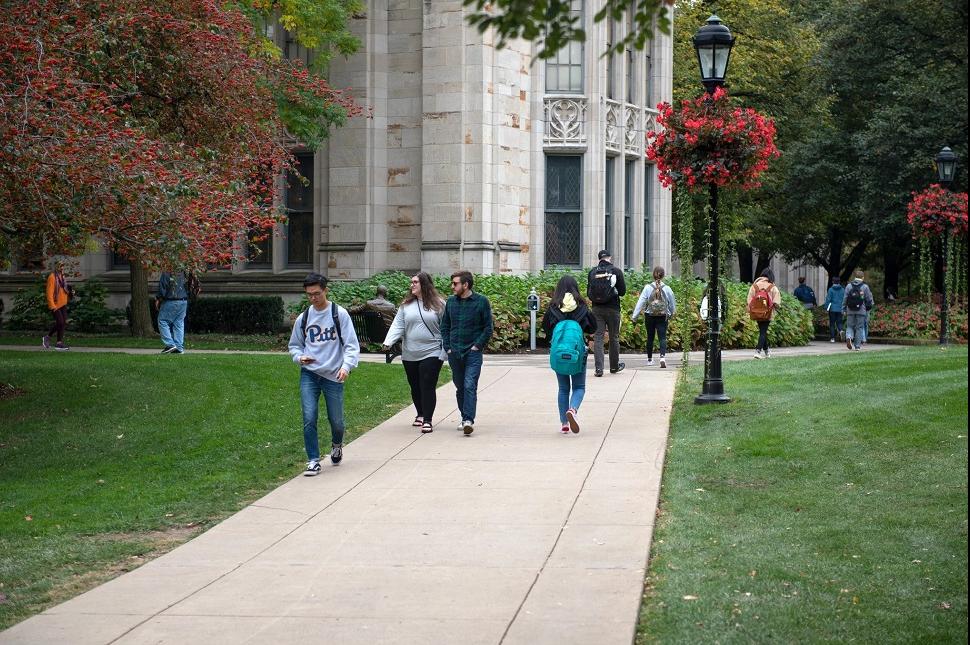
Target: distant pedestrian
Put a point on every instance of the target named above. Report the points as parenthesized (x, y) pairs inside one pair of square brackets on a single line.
[(565, 323), (172, 302), (764, 300), (604, 288), (658, 305), (324, 344), (833, 305), (856, 304), (805, 294), (466, 327), (418, 323), (58, 295)]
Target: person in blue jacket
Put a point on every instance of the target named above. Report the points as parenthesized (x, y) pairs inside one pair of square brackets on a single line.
[(833, 305)]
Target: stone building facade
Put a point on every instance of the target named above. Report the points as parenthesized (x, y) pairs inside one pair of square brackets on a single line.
[(469, 157)]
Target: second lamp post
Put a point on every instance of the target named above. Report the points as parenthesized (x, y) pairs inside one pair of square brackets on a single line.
[(713, 44)]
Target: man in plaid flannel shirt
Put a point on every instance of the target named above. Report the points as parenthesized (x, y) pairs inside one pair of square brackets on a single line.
[(466, 327)]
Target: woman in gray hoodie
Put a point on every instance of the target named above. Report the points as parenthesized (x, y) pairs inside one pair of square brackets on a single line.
[(417, 322)]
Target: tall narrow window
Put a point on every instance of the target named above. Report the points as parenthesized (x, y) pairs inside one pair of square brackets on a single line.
[(648, 171), (648, 77), (631, 87), (299, 212), (564, 216), (629, 175), (564, 72), (610, 71), (608, 218), (260, 254), (118, 262)]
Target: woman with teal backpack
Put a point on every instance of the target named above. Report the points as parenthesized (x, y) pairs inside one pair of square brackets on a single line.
[(566, 322)]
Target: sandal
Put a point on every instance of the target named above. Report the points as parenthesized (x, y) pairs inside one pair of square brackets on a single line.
[(418, 421), (426, 428)]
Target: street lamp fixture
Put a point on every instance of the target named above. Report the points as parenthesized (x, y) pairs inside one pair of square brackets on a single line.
[(946, 168), (713, 43)]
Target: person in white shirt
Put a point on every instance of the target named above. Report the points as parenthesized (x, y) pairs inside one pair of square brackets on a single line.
[(323, 343), (418, 323)]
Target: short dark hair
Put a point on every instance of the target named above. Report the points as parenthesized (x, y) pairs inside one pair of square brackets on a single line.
[(801, 279), (603, 254), (768, 273), (465, 277), (313, 279)]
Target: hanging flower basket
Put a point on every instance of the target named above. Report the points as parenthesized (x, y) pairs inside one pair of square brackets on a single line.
[(707, 141), (935, 209)]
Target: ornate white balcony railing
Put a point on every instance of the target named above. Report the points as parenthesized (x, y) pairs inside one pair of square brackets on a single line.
[(632, 130), (566, 118), (614, 126)]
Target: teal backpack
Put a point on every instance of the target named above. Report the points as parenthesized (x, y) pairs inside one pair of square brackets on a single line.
[(567, 352)]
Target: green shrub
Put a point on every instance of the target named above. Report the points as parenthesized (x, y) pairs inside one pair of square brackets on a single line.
[(235, 315), (912, 320), (88, 311), (507, 293), (29, 309)]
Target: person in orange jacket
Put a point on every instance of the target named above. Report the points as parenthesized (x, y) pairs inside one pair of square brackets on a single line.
[(57, 297)]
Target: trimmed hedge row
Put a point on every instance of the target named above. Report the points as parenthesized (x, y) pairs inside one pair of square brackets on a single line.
[(235, 315), (791, 326)]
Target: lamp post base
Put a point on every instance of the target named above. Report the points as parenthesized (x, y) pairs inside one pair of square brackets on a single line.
[(704, 398)]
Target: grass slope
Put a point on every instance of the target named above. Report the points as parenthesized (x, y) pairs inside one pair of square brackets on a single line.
[(827, 502), (109, 459)]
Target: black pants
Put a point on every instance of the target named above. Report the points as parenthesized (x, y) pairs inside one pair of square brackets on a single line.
[(423, 379), (835, 324), (607, 320), (60, 323), (763, 334), (656, 326)]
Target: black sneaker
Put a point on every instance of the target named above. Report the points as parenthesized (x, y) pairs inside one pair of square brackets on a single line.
[(598, 373), (312, 468), (619, 368), (169, 349), (336, 453)]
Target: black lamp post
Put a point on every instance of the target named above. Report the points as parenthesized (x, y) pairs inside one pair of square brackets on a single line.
[(713, 44), (946, 167)]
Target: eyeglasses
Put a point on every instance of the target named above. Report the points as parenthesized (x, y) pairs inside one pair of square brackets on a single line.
[(415, 282)]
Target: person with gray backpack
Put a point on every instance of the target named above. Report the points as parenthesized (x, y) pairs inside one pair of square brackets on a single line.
[(856, 303), (658, 305), (566, 323)]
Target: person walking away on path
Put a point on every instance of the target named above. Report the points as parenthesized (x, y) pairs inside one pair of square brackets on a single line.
[(833, 304), (566, 322), (418, 323), (856, 303), (658, 304), (805, 294), (764, 299), (58, 295), (172, 301), (604, 288), (323, 343), (466, 327)]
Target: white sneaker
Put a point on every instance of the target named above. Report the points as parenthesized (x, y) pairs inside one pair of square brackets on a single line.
[(461, 426), (467, 427), (312, 468), (757, 354), (832, 340), (650, 362), (663, 362)]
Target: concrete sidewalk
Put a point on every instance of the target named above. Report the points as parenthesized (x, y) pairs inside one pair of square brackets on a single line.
[(516, 534)]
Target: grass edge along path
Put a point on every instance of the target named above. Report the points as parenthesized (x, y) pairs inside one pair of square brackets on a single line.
[(109, 460), (826, 502)]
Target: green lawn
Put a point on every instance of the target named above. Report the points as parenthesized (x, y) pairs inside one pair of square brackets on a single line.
[(109, 459), (257, 342), (826, 503)]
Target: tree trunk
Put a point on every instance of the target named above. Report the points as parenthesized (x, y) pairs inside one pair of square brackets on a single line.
[(853, 259), (141, 318), (834, 266), (745, 263), (764, 259), (894, 257)]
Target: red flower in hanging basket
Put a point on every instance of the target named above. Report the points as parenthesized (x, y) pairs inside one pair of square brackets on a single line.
[(935, 209), (707, 141)]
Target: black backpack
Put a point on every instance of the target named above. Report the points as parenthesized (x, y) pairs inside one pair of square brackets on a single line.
[(856, 298), (601, 289), (336, 322)]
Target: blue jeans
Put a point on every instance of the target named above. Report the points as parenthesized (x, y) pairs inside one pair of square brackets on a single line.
[(567, 401), (855, 329), (465, 371), (171, 322), (311, 386)]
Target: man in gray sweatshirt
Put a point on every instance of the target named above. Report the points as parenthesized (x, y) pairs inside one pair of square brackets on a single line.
[(323, 343), (856, 304)]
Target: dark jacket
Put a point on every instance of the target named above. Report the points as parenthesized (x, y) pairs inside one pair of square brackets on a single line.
[(620, 284), (580, 314), (466, 322), (805, 294)]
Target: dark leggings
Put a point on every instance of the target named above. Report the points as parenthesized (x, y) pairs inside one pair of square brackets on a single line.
[(656, 325), (60, 323), (423, 379), (763, 334)]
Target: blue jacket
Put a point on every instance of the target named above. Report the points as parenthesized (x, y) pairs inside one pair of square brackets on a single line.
[(834, 297)]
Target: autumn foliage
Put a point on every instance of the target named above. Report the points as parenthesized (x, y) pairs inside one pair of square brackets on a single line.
[(707, 141), (935, 210), (154, 126)]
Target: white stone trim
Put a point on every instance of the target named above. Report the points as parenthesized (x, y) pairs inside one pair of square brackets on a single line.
[(565, 121)]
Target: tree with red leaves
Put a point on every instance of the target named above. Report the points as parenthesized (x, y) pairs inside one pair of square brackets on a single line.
[(156, 127)]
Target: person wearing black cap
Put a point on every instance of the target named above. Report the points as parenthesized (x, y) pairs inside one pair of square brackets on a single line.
[(604, 287)]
